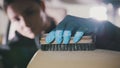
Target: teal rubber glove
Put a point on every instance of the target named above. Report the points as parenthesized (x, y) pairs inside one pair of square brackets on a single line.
[(60, 35), (70, 26)]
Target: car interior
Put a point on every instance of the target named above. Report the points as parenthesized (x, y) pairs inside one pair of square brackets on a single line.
[(99, 58)]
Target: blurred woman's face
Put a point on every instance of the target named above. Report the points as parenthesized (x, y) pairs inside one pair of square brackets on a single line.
[(27, 17)]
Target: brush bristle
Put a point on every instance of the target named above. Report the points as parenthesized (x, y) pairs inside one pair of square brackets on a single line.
[(85, 44), (68, 47)]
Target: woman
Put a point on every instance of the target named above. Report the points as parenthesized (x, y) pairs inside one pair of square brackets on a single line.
[(31, 19)]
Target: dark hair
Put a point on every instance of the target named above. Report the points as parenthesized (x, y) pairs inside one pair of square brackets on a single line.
[(7, 2)]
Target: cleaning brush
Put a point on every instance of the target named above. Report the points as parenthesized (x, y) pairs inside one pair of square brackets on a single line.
[(85, 44)]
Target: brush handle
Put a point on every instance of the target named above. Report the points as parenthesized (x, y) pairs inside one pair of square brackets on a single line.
[(84, 39)]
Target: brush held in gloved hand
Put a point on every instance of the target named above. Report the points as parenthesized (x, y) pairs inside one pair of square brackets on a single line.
[(69, 27), (65, 30)]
